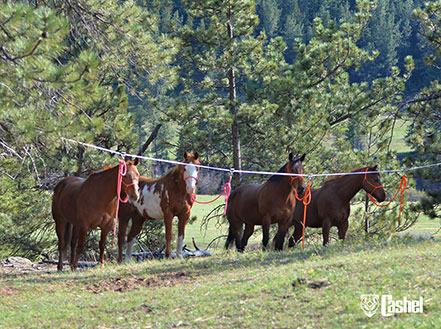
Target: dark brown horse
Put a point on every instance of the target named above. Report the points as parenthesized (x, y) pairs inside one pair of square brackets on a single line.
[(264, 204), (79, 205), (330, 204), (162, 198)]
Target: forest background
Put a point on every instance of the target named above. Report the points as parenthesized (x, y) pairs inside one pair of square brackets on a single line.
[(242, 82)]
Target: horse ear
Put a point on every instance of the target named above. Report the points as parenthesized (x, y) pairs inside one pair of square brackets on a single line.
[(196, 155), (185, 155), (136, 162), (375, 168), (302, 158), (291, 156)]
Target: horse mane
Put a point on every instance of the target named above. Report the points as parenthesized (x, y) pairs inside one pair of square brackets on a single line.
[(172, 172), (334, 178), (277, 178)]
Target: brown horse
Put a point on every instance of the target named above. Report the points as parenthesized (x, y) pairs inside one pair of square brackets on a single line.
[(162, 198), (330, 204), (79, 205), (264, 204)]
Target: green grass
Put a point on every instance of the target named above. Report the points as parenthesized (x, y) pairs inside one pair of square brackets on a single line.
[(398, 143), (230, 290)]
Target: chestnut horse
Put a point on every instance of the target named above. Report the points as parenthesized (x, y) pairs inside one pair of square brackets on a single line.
[(330, 204), (162, 198), (79, 205), (264, 204)]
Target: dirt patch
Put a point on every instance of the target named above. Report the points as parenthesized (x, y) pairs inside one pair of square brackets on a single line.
[(8, 291), (123, 284)]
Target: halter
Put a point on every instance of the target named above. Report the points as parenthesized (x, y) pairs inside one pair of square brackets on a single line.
[(374, 186), (195, 178), (400, 190)]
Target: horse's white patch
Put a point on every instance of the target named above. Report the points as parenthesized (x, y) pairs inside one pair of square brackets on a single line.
[(191, 177), (129, 250), (179, 245), (151, 202)]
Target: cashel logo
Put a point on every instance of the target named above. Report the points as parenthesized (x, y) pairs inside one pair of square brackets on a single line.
[(370, 304)]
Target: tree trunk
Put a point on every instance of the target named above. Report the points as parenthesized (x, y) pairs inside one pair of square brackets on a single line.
[(237, 161)]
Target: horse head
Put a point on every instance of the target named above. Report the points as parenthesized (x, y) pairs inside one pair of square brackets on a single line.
[(295, 166), (191, 173), (372, 184), (130, 181)]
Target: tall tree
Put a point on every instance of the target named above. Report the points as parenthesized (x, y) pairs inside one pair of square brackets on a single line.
[(218, 50), (425, 114)]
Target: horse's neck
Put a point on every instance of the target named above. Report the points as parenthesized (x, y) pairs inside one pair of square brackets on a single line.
[(281, 186), (347, 186), (105, 181), (178, 177)]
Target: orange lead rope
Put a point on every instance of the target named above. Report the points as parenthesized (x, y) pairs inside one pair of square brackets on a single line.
[(306, 201), (400, 190)]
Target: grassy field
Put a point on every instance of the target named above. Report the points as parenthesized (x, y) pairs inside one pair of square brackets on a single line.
[(319, 287), (315, 288)]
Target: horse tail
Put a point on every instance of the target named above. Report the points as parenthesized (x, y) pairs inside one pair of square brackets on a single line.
[(230, 238)]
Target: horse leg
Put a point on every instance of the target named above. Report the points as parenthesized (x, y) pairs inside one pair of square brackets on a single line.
[(122, 229), (73, 246), (168, 220), (280, 236), (249, 229), (81, 235), (266, 223), (60, 228), (135, 229), (326, 227), (342, 229), (104, 233), (183, 220), (298, 228), (236, 229)]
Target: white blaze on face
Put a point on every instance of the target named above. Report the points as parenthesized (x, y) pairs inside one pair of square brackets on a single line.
[(191, 177), (150, 202)]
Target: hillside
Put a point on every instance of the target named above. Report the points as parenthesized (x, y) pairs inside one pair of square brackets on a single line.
[(311, 289)]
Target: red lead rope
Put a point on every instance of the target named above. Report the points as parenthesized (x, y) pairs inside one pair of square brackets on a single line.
[(122, 171), (226, 192)]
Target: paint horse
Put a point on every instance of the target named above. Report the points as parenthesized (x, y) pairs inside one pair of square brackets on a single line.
[(79, 205), (264, 204), (330, 204), (162, 198)]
